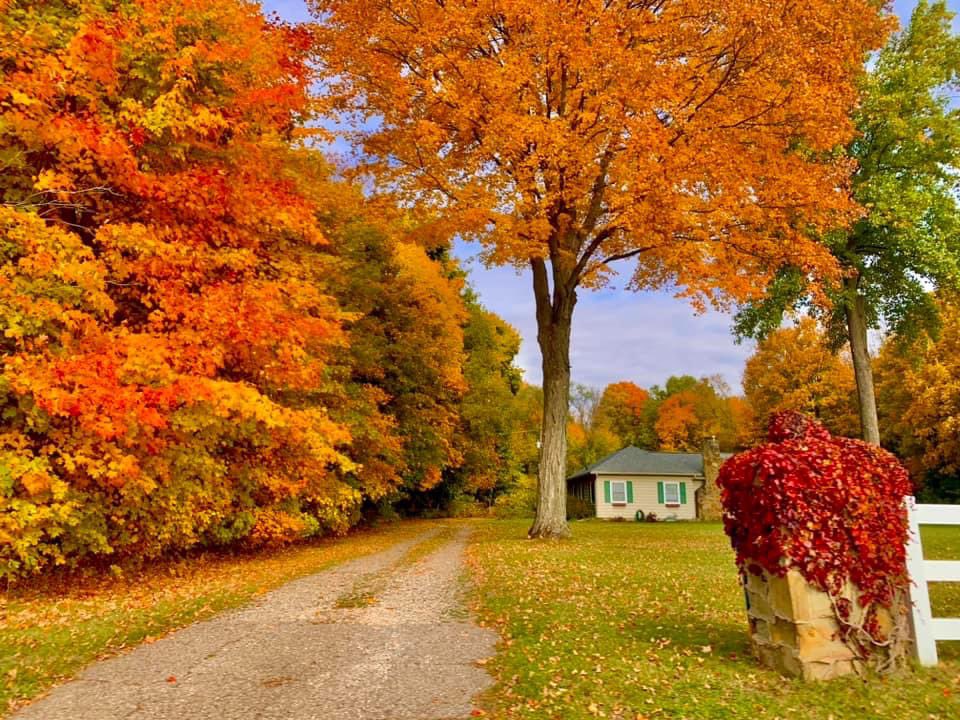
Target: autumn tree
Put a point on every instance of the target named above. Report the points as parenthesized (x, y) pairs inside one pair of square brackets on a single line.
[(489, 435), (919, 401), (795, 368), (162, 269), (692, 136), (686, 411), (907, 149), (744, 422), (403, 402), (587, 445), (677, 423), (622, 411)]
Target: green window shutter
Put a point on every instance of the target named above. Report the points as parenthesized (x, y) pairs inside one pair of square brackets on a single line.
[(683, 493), (629, 491), (606, 491), (660, 493)]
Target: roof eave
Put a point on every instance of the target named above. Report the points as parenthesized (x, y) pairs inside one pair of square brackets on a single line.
[(696, 476)]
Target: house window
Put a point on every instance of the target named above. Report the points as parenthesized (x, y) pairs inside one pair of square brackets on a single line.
[(618, 492), (671, 493)]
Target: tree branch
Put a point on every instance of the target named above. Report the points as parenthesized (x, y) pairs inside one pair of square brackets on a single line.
[(626, 255)]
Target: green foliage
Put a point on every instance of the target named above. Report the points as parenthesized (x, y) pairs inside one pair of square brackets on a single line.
[(487, 437), (761, 319), (520, 501), (908, 151), (907, 181), (937, 487)]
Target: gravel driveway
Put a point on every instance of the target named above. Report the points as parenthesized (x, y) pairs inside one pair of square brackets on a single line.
[(305, 650)]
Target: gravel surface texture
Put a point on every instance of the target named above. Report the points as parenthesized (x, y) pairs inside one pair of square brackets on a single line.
[(411, 654)]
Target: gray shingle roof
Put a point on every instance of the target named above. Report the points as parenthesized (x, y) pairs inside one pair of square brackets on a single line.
[(634, 461)]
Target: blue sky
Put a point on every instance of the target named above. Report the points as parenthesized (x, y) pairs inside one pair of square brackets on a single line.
[(617, 335)]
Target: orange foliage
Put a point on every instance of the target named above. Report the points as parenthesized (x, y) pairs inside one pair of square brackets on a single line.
[(160, 268), (744, 421), (677, 421), (918, 382), (621, 410), (694, 134), (796, 369)]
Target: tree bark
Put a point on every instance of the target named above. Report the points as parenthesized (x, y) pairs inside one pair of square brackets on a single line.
[(856, 312), (554, 321)]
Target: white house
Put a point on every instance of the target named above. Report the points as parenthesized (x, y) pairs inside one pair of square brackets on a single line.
[(632, 483)]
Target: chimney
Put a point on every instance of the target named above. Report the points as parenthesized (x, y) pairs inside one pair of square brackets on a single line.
[(710, 508)]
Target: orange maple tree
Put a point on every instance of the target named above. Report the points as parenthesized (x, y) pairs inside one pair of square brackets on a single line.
[(160, 275), (795, 368), (677, 422), (694, 136), (622, 410)]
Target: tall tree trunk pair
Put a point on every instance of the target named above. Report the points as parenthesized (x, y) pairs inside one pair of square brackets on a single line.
[(856, 312)]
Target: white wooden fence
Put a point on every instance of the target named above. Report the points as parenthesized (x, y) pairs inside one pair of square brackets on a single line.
[(926, 628)]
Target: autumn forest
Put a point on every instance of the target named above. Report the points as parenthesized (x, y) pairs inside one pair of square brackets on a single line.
[(215, 336)]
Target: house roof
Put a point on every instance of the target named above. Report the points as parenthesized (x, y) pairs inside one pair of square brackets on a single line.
[(634, 461)]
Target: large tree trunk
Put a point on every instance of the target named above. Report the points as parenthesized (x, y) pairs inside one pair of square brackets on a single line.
[(554, 320), (863, 372)]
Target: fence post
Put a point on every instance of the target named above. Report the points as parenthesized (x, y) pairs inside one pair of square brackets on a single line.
[(925, 644)]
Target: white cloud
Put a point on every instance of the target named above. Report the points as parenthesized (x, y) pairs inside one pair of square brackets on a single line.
[(617, 334)]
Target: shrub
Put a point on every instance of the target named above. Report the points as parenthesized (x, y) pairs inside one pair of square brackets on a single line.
[(578, 509), (519, 502)]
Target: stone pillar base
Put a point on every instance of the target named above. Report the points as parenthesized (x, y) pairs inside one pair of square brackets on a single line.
[(793, 628)]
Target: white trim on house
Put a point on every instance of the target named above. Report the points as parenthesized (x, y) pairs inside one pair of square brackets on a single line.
[(622, 485), (675, 486)]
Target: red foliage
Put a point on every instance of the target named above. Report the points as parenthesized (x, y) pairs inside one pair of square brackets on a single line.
[(829, 507)]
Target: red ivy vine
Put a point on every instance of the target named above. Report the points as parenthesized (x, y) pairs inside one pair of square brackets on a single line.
[(829, 507)]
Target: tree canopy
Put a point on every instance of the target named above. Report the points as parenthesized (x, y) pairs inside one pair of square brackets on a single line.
[(207, 339), (696, 137), (906, 151), (795, 368)]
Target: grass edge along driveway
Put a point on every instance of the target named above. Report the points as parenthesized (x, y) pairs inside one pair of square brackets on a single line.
[(52, 628), (630, 620)]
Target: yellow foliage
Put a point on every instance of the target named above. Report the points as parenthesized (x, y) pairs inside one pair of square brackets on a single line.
[(795, 369)]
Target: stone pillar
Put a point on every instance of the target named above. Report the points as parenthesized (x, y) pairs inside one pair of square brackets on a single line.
[(793, 628), (710, 508)]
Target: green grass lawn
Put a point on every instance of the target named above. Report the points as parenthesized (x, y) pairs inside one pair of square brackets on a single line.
[(630, 620)]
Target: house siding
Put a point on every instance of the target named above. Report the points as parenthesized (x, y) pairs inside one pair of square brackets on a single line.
[(645, 497)]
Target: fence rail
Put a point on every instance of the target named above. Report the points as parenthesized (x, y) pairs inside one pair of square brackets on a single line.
[(926, 628)]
